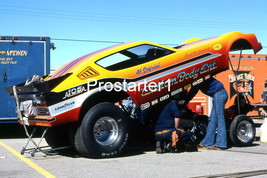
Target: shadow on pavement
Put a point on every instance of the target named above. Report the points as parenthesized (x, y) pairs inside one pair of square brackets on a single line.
[(11, 130)]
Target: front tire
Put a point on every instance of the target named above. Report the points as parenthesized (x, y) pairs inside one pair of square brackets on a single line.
[(103, 132), (242, 131)]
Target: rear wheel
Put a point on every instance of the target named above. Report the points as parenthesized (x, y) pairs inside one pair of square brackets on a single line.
[(242, 131), (58, 136), (103, 132)]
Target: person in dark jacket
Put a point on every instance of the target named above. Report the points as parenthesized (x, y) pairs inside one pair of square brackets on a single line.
[(168, 127)]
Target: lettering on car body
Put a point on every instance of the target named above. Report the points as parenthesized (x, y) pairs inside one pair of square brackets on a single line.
[(148, 69), (145, 106), (75, 91)]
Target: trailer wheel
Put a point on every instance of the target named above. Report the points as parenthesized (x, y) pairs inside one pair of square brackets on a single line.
[(103, 132), (242, 131)]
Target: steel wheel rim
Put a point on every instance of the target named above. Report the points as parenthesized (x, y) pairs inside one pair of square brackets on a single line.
[(106, 131), (245, 131)]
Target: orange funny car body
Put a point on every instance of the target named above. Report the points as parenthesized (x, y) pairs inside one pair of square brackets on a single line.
[(146, 72)]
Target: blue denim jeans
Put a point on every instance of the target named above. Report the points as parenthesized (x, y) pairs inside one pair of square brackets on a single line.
[(217, 122)]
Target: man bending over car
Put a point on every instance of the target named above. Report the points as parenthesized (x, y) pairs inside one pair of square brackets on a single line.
[(168, 133)]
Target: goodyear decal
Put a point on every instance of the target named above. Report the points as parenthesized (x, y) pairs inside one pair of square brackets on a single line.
[(65, 105)]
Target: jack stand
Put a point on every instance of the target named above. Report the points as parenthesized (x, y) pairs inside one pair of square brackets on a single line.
[(37, 147)]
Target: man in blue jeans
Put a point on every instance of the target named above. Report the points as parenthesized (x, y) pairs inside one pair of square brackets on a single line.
[(215, 138), (168, 126)]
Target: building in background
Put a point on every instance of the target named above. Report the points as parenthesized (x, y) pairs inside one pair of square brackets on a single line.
[(247, 74)]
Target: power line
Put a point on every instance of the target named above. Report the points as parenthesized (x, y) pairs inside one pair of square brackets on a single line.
[(102, 17), (100, 41), (88, 41)]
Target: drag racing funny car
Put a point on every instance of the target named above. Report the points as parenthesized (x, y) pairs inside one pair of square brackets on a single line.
[(81, 102)]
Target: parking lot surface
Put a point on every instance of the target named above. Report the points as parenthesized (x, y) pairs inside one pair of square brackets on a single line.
[(137, 161)]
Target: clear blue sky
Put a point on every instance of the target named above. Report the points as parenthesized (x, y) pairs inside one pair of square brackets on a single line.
[(164, 22)]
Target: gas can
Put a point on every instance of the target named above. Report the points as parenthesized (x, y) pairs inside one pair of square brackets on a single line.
[(263, 131)]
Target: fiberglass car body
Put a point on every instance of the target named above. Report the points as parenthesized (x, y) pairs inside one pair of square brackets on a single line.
[(83, 91)]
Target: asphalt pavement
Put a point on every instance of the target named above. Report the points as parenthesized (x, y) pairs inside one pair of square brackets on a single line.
[(137, 161)]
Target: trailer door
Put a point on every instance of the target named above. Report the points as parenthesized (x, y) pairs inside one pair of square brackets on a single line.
[(19, 60)]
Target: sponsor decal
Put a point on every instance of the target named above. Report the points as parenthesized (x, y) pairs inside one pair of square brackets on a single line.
[(196, 52), (217, 47), (65, 105), (154, 102), (164, 97), (187, 86), (74, 91), (207, 77), (208, 67), (175, 92), (148, 69), (196, 82), (195, 72), (145, 106)]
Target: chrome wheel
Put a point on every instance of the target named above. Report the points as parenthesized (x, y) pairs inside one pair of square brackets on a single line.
[(103, 131), (106, 131), (245, 132)]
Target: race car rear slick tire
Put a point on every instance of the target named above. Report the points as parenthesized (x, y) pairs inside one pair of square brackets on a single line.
[(58, 136), (242, 131), (103, 132), (78, 143)]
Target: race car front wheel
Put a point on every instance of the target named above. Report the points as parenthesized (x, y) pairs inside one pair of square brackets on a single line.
[(242, 131), (103, 132)]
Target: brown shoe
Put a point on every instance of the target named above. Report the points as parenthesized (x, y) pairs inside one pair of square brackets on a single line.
[(214, 148), (200, 146)]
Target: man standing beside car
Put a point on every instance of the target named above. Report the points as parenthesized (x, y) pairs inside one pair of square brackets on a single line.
[(215, 138)]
